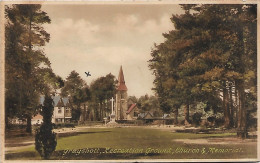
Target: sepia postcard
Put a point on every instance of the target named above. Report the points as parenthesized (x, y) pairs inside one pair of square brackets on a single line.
[(129, 81)]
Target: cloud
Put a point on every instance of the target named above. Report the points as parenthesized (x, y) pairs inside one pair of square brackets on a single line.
[(67, 31), (82, 45)]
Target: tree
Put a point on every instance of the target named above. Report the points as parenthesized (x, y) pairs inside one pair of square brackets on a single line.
[(148, 103), (132, 99), (45, 139), (24, 59), (77, 90), (200, 61), (102, 90)]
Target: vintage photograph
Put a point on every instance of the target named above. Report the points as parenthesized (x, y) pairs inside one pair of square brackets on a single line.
[(128, 81)]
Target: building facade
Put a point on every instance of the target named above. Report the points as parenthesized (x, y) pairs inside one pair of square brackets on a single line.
[(62, 109), (133, 112)]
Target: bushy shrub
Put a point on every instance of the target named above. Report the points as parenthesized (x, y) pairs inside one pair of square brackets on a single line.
[(196, 118)]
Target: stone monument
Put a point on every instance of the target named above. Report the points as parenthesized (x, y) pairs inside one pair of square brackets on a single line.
[(112, 116)]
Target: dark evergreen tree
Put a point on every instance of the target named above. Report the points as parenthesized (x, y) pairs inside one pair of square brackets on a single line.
[(45, 138)]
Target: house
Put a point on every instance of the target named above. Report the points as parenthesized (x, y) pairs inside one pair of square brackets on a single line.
[(132, 112), (146, 115), (16, 121), (62, 109), (38, 119)]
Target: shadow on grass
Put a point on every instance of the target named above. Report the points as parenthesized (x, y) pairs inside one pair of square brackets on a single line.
[(18, 144), (78, 133), (33, 155)]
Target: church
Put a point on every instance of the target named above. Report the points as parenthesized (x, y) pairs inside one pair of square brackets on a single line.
[(124, 109)]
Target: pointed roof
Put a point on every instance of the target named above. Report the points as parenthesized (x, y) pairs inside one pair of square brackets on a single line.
[(65, 101), (131, 108), (121, 81), (58, 101), (144, 115)]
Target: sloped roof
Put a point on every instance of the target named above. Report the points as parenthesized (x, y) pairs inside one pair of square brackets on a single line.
[(150, 113), (60, 103), (143, 115), (121, 81), (65, 101), (57, 100), (131, 108)]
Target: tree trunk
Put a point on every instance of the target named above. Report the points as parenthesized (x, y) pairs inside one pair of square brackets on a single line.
[(84, 113), (241, 125), (186, 115), (236, 107), (225, 106), (231, 106), (29, 124), (175, 116), (96, 110), (100, 113)]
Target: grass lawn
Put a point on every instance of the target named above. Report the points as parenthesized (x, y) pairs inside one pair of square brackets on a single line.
[(140, 143)]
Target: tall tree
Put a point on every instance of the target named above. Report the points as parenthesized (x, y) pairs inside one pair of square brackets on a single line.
[(202, 59), (78, 92), (24, 59), (102, 90)]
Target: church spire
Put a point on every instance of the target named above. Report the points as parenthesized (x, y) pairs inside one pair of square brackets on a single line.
[(121, 81)]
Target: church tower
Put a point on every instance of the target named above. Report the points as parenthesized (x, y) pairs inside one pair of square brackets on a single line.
[(121, 97)]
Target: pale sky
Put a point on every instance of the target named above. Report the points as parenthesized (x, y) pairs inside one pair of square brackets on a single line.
[(100, 38)]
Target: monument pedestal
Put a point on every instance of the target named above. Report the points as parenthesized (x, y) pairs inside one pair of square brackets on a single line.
[(112, 120)]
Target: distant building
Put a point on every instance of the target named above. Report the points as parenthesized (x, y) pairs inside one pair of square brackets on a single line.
[(16, 121), (146, 115), (62, 109), (132, 112), (38, 119)]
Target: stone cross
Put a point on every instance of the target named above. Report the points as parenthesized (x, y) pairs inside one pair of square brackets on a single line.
[(112, 100)]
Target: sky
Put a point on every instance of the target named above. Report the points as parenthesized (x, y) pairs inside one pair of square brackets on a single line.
[(99, 38)]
